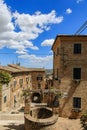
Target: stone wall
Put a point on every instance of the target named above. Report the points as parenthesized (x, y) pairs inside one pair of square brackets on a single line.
[(68, 93), (5, 97), (32, 122), (16, 91), (63, 63), (35, 82)]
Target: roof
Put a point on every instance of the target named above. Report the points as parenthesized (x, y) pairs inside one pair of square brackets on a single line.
[(36, 69), (66, 36), (5, 68), (17, 67), (21, 68), (13, 68)]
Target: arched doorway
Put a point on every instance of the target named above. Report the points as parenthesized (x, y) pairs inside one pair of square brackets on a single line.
[(36, 97)]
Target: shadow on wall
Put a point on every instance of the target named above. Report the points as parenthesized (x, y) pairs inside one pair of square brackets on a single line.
[(71, 91)]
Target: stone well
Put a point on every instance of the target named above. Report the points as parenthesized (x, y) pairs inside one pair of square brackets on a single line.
[(40, 118)]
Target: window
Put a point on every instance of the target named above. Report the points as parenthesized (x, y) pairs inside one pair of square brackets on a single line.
[(15, 82), (27, 80), (76, 73), (5, 99), (39, 78), (76, 102), (21, 82), (15, 101), (77, 48)]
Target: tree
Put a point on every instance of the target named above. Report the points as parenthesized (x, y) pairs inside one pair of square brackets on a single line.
[(4, 78)]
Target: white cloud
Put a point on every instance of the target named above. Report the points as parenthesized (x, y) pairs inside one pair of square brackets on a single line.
[(68, 11), (30, 26), (51, 52), (5, 18), (78, 1), (37, 61), (36, 23), (17, 30), (48, 42), (21, 52)]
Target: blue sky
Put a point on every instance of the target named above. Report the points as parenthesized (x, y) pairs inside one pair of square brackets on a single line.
[(28, 29)]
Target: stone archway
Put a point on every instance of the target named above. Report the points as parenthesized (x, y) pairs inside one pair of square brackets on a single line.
[(36, 97)]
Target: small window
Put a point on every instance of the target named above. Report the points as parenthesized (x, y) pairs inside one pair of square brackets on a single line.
[(77, 48), (21, 82), (5, 99), (76, 73), (15, 99), (15, 83), (27, 80), (76, 102), (39, 78)]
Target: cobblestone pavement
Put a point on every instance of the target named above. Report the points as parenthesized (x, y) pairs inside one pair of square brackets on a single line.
[(12, 121), (68, 124), (16, 122)]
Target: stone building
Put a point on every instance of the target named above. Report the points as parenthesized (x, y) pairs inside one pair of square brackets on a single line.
[(38, 83), (38, 78), (70, 73), (49, 81), (22, 79), (12, 94)]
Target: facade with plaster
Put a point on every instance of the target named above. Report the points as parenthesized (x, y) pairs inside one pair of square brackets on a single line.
[(70, 73), (22, 78), (38, 78)]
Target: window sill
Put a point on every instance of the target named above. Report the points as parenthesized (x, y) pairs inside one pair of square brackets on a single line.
[(76, 110), (76, 80)]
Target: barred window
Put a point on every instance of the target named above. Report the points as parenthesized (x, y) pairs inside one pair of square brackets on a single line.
[(77, 48), (76, 73), (76, 102)]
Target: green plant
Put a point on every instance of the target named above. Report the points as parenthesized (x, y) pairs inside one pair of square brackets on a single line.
[(26, 93), (4, 78), (83, 120), (58, 94)]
